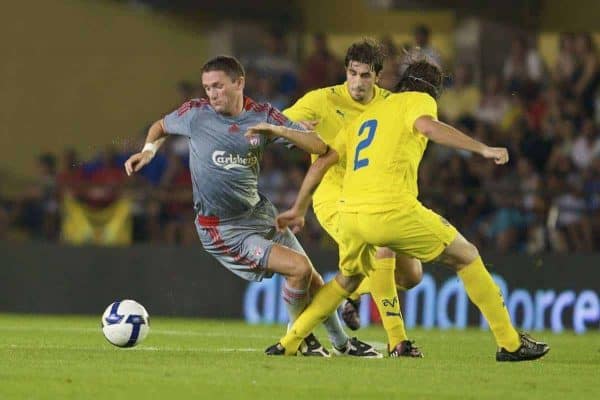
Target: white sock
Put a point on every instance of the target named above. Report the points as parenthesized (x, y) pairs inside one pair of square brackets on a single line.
[(295, 301)]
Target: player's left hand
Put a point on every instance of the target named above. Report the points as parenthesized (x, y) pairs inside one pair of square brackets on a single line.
[(498, 154), (290, 218), (263, 129)]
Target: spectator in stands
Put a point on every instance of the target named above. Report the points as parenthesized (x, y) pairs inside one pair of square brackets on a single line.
[(266, 92), (564, 69), (529, 183), (587, 72), (563, 137), (507, 225), (461, 98), (591, 190), (572, 222), (523, 68), (275, 63), (70, 177), (37, 207), (104, 178), (537, 239), (586, 145), (592, 185), (494, 103), (422, 36), (561, 165), (321, 68)]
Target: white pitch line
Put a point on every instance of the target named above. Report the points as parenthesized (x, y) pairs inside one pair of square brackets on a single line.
[(168, 332), (50, 329), (211, 334), (224, 350), (140, 348)]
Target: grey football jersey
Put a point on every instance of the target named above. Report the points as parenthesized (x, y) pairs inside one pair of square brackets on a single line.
[(224, 164)]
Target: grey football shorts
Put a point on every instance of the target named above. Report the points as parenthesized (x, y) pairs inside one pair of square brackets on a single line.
[(243, 245)]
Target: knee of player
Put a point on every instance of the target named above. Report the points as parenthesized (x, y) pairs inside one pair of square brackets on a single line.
[(468, 253), (460, 253), (408, 278), (302, 267), (413, 279), (471, 252)]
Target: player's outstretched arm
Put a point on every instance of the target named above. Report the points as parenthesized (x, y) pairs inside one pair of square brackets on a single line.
[(294, 217), (155, 138), (309, 141), (447, 135)]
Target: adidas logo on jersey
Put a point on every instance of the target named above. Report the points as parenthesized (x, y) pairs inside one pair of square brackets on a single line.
[(229, 161)]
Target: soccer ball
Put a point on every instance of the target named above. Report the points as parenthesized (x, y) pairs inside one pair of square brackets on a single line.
[(125, 323)]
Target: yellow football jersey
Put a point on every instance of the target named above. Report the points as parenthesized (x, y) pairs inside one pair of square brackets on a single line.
[(382, 152), (333, 108)]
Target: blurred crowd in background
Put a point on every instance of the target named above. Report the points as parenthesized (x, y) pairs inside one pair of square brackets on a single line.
[(547, 199)]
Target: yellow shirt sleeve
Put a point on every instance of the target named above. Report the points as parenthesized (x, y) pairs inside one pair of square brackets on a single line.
[(307, 108), (419, 104)]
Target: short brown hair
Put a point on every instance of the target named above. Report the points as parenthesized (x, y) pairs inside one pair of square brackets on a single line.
[(368, 52), (230, 65)]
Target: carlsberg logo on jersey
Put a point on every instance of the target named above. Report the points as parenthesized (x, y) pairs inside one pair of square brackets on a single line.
[(229, 161)]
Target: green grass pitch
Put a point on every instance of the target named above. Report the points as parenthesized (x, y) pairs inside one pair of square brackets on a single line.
[(48, 357)]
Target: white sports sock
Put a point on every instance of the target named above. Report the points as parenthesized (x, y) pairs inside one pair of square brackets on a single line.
[(295, 301)]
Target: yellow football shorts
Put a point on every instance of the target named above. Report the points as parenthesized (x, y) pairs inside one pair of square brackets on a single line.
[(328, 215), (415, 231)]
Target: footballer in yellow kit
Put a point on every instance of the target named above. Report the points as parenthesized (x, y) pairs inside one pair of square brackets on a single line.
[(333, 108), (383, 153), (383, 148)]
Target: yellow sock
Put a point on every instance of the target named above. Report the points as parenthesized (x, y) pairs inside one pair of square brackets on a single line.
[(383, 290), (363, 288), (486, 295), (325, 302)]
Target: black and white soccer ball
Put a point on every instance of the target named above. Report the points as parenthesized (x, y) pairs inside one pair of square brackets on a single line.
[(125, 323)]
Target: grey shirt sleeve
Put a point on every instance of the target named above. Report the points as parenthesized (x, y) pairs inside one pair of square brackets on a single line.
[(179, 122), (275, 117)]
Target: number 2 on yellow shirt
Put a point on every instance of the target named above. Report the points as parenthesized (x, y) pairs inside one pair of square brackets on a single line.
[(371, 125)]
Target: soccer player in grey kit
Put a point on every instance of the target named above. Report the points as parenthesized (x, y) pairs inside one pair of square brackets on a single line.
[(227, 136)]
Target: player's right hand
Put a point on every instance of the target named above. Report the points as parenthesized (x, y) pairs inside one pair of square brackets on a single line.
[(263, 128), (290, 219), (137, 161), (498, 154)]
